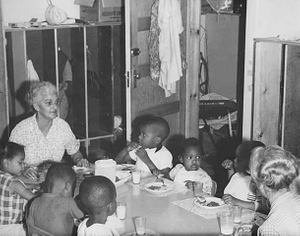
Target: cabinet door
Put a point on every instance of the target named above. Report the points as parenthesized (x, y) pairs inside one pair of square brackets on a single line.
[(266, 95), (291, 112)]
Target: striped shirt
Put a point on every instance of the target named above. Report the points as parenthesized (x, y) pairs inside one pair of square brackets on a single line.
[(11, 203)]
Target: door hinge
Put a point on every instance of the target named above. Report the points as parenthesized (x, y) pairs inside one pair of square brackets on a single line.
[(127, 79)]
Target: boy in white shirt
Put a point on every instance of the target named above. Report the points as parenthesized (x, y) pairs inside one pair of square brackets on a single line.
[(150, 154), (97, 195)]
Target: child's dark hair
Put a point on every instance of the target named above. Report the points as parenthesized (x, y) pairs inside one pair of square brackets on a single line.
[(159, 124), (243, 154), (9, 151), (190, 142), (96, 192), (59, 171)]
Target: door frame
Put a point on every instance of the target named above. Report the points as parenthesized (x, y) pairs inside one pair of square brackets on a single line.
[(189, 82)]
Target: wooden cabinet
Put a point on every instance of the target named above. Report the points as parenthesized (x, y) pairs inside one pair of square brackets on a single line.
[(276, 97), (84, 62)]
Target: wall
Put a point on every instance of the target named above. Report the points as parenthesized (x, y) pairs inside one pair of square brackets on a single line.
[(20, 10), (266, 18)]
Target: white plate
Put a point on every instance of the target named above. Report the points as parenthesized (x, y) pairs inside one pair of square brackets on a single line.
[(208, 201), (157, 187)]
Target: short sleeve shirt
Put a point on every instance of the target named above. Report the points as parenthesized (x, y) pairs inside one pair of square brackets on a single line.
[(54, 214), (112, 227), (162, 159), (11, 203), (179, 174), (39, 148)]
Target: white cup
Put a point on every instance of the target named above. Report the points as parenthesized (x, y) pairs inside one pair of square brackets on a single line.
[(121, 210), (136, 176), (237, 214), (140, 225), (226, 222)]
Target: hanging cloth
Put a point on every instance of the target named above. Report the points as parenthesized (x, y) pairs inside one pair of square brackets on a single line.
[(170, 24), (32, 75), (153, 43)]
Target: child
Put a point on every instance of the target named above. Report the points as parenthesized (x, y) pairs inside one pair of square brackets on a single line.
[(13, 191), (55, 210), (241, 190), (97, 195), (189, 172), (150, 154)]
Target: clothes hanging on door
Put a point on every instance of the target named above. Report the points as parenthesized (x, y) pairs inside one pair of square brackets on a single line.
[(170, 24), (153, 43)]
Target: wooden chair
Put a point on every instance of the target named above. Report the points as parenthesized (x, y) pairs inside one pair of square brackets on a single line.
[(214, 188)]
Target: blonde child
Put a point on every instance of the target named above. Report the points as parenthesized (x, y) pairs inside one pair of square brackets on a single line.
[(150, 154), (14, 193), (55, 210), (97, 195), (189, 172)]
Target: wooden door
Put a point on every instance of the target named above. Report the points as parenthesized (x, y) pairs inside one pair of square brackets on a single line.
[(144, 95)]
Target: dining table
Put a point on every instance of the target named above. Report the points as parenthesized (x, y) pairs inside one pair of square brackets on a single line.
[(175, 211), (170, 212)]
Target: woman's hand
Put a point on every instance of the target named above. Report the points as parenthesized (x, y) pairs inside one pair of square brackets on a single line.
[(79, 160), (30, 173), (82, 163)]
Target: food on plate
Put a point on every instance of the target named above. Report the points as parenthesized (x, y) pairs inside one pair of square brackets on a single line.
[(200, 199), (213, 204), (153, 187)]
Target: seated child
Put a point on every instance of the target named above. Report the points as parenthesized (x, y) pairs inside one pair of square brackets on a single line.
[(97, 195), (55, 210), (14, 193), (189, 172), (150, 154), (241, 190)]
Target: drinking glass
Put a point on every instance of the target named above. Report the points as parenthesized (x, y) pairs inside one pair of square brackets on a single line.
[(198, 186), (140, 225), (136, 176), (121, 210), (226, 222), (237, 214)]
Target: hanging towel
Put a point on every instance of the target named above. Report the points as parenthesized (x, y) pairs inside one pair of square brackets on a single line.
[(170, 23), (31, 73)]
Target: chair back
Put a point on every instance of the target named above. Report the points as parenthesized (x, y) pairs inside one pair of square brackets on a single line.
[(214, 188)]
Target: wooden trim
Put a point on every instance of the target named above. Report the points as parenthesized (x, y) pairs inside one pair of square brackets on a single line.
[(4, 117), (144, 23), (162, 110)]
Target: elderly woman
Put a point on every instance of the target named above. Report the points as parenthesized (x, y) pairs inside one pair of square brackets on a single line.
[(275, 172), (44, 135)]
